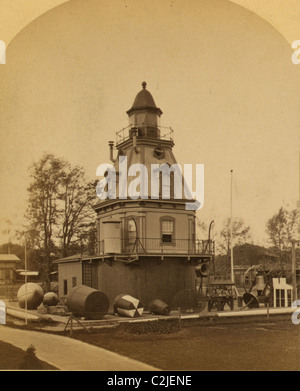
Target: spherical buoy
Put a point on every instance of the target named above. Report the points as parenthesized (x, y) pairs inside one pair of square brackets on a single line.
[(51, 299), (34, 294)]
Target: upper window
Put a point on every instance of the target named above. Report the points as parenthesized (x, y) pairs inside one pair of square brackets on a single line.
[(131, 231), (167, 230)]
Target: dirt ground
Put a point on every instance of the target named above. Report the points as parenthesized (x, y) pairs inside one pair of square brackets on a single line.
[(248, 345)]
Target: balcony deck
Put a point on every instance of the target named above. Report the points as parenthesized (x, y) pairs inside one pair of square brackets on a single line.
[(155, 246)]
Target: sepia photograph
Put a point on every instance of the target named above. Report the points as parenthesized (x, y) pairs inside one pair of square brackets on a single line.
[(149, 183)]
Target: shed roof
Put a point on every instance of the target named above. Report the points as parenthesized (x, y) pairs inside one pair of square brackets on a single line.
[(9, 258), (75, 258)]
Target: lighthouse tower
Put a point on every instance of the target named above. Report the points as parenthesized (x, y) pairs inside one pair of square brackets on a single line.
[(147, 241)]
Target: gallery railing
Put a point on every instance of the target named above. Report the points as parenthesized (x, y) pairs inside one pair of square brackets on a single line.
[(165, 132), (157, 245)]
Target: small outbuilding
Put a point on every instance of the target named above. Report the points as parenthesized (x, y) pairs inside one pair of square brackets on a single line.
[(8, 266), (282, 293)]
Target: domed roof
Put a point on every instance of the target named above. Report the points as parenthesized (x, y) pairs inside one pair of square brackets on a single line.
[(144, 100)]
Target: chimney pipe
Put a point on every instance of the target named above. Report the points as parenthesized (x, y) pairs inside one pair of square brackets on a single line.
[(134, 132), (111, 149)]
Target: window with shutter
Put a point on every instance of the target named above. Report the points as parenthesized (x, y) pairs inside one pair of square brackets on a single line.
[(167, 230)]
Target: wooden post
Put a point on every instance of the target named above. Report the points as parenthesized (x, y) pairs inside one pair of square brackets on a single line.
[(70, 320), (179, 317), (268, 311), (82, 325)]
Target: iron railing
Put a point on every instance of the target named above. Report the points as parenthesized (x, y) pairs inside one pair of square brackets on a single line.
[(157, 246), (165, 132)]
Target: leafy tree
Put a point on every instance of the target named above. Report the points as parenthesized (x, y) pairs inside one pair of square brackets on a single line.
[(282, 228), (42, 212), (12, 248), (78, 217), (59, 214)]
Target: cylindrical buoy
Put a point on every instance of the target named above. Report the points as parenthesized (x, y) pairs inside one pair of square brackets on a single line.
[(159, 307), (87, 302), (202, 270), (126, 305), (34, 294), (51, 299)]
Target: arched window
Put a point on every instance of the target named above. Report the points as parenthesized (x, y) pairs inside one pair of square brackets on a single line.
[(132, 231)]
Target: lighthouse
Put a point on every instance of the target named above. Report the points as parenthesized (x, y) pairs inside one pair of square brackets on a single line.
[(146, 241)]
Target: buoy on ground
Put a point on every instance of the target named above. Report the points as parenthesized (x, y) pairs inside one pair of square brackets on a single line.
[(51, 299), (87, 302), (126, 305), (34, 294), (159, 307)]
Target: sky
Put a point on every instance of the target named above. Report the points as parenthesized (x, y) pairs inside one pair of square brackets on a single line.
[(17, 14), (222, 76)]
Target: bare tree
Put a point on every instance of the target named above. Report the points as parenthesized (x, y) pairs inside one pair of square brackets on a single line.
[(201, 228), (240, 234)]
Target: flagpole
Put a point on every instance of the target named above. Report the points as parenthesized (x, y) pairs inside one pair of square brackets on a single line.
[(231, 230)]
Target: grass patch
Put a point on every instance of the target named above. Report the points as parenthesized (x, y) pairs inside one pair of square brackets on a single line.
[(13, 358), (252, 345)]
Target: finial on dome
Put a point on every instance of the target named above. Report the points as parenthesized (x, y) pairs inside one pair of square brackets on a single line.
[(144, 84)]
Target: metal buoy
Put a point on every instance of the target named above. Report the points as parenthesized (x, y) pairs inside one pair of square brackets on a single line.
[(126, 305), (51, 299), (34, 294), (159, 307), (87, 302)]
